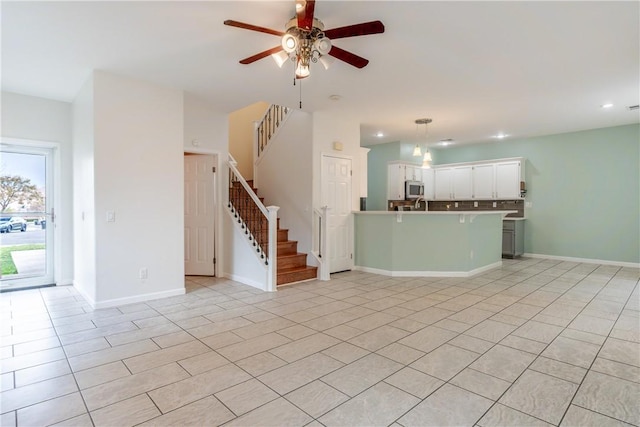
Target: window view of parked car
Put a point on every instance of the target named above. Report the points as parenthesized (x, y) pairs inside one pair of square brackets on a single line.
[(7, 225)]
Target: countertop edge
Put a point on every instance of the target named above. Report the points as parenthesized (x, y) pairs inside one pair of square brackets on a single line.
[(437, 213)]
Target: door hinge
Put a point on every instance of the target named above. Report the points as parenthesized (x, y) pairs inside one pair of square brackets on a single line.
[(351, 172), (214, 260), (213, 169), (351, 256)]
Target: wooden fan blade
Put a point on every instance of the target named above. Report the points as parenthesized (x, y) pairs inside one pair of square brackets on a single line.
[(242, 25), (261, 55), (348, 57), (304, 9), (366, 28)]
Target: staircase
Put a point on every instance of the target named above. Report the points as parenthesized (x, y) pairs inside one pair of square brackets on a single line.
[(292, 265)]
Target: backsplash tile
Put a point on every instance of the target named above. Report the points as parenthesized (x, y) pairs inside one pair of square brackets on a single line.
[(483, 205)]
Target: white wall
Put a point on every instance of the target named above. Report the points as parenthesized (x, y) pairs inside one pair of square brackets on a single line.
[(84, 221), (207, 127), (39, 119), (241, 262), (206, 131), (138, 174), (327, 129), (241, 136), (285, 178)]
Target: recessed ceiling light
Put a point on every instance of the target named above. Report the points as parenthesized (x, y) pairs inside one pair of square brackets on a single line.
[(335, 97), (445, 142), (379, 134), (501, 136), (606, 105)]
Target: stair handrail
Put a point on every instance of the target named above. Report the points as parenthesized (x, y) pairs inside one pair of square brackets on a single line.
[(269, 124), (266, 246), (233, 166), (321, 241)]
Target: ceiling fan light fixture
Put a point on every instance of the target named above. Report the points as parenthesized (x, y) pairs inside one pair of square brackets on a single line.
[(302, 70), (289, 43), (280, 58), (322, 45), (326, 61)]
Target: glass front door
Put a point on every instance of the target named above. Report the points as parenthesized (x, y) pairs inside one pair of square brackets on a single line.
[(27, 218)]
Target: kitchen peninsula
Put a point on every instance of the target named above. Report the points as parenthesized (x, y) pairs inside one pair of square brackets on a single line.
[(428, 244)]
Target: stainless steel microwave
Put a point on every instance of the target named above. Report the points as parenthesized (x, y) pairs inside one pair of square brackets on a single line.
[(413, 190)]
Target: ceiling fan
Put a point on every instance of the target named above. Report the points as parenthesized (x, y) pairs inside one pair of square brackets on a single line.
[(305, 40)]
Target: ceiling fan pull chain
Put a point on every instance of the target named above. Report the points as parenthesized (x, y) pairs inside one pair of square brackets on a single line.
[(301, 94)]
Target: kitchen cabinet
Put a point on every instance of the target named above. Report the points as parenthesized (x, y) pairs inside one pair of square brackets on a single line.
[(442, 177), (397, 174), (428, 181), (484, 181), (462, 183), (508, 177), (512, 238), (395, 181), (413, 173)]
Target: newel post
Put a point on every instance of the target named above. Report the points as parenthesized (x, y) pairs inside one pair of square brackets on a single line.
[(324, 244), (272, 267)]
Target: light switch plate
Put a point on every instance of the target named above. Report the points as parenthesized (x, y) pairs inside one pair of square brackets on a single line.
[(111, 216)]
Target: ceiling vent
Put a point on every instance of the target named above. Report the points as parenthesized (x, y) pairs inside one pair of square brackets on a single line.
[(633, 107)]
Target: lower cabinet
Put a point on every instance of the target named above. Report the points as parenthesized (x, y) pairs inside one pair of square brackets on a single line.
[(512, 238)]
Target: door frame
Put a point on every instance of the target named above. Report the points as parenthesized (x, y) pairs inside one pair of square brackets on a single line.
[(218, 197), (55, 175), (350, 239)]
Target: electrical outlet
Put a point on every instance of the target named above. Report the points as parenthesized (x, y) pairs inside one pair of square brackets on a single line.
[(475, 204), (495, 204), (143, 274), (528, 204), (111, 216), (456, 204)]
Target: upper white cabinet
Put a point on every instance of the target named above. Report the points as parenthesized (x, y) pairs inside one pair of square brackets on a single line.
[(413, 173), (484, 181), (442, 178), (508, 177), (399, 172), (495, 179), (487, 180), (395, 181), (462, 182), (428, 181)]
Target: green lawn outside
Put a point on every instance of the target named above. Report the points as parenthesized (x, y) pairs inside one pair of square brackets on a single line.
[(8, 267)]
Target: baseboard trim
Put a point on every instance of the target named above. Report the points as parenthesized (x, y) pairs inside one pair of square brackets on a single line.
[(584, 260), (429, 273), (130, 300), (245, 281)]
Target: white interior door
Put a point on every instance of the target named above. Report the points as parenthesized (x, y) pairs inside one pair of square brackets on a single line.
[(199, 214), (27, 199), (336, 194)]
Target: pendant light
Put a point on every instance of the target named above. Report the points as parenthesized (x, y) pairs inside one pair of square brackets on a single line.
[(417, 152)]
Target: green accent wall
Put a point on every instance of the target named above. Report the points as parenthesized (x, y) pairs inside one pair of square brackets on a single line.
[(377, 170), (427, 242), (584, 188)]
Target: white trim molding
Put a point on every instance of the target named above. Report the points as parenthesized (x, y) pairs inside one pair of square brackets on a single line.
[(584, 260), (130, 300), (429, 273)]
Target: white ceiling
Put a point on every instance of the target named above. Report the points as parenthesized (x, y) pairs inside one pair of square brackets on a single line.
[(475, 68)]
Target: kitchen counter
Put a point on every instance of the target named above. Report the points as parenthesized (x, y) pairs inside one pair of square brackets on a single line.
[(428, 244)]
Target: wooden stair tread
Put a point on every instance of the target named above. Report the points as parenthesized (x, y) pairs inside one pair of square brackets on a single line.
[(295, 254), (287, 251), (291, 275)]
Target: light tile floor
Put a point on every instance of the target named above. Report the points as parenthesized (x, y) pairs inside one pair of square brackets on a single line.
[(536, 342)]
